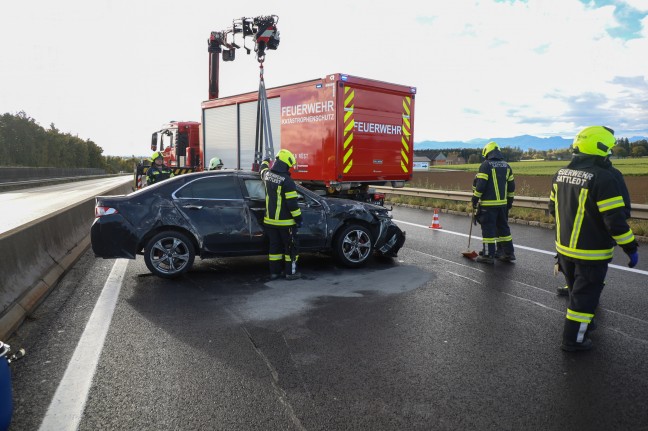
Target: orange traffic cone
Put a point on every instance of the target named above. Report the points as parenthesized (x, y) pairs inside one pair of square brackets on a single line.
[(435, 220)]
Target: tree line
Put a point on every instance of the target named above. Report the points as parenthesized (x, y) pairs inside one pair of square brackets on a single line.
[(23, 142), (623, 149), (472, 155)]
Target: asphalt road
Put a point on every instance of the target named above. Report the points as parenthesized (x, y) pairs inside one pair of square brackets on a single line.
[(427, 341)]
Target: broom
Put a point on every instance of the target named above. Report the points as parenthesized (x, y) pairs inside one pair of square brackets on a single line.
[(470, 254)]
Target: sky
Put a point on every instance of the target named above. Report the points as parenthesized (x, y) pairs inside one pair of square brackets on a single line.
[(114, 71)]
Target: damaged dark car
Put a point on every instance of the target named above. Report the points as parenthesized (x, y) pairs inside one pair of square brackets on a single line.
[(220, 214)]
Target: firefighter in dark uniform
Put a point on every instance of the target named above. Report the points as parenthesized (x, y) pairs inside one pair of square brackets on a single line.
[(618, 176), (588, 204), (282, 216), (158, 170), (493, 193)]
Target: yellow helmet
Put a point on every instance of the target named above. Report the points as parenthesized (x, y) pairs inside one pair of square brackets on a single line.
[(286, 157), (492, 145), (156, 155), (594, 140)]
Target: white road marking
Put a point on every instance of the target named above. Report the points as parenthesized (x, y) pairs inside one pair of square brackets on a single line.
[(534, 287), (66, 409), (607, 310), (529, 286), (463, 276), (532, 302), (536, 250), (448, 261)]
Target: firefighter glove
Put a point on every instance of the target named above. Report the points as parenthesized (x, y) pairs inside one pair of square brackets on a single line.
[(478, 215), (631, 250), (298, 222), (475, 201), (509, 203)]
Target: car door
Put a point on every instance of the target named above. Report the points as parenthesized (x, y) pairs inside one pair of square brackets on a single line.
[(312, 234), (215, 208), (254, 193)]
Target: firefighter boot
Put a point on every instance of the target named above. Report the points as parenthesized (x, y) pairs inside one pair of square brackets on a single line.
[(575, 337), (291, 269), (505, 252), (487, 257), (294, 276), (562, 291)]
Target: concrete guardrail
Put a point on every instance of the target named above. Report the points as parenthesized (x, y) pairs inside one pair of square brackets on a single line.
[(33, 257)]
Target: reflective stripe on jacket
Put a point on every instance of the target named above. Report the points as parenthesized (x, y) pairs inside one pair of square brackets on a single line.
[(155, 174), (587, 203), (494, 184), (281, 195)]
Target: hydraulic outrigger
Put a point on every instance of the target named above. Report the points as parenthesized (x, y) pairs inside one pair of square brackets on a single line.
[(263, 31)]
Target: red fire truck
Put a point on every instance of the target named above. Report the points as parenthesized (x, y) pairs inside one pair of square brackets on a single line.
[(179, 143), (347, 133)]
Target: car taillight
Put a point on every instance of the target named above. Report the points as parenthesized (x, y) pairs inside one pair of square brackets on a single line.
[(102, 211)]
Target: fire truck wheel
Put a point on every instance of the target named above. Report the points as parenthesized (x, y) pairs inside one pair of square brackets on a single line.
[(353, 246), (169, 254)]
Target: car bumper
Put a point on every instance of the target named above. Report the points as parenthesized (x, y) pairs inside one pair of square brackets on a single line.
[(390, 240), (113, 237)]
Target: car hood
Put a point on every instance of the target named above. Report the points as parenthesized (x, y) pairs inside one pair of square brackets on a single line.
[(347, 205)]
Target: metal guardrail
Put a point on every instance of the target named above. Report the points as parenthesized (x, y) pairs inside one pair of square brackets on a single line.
[(639, 211)]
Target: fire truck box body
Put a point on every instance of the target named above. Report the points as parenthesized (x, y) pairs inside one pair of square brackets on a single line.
[(343, 130)]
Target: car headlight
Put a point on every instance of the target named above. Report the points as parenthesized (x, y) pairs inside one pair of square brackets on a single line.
[(381, 214)]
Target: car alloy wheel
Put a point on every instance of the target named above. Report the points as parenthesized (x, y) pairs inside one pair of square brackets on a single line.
[(169, 254), (354, 245)]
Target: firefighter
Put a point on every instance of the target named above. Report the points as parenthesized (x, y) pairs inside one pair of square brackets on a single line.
[(282, 216), (588, 204), (158, 170), (493, 193), (215, 164), (618, 176)]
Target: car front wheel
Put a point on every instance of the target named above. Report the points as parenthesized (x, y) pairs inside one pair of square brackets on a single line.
[(169, 254), (353, 246)]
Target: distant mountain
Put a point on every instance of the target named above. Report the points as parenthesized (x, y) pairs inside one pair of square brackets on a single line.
[(525, 142), (637, 138)]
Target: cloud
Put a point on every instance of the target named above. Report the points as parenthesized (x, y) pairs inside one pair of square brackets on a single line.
[(114, 71)]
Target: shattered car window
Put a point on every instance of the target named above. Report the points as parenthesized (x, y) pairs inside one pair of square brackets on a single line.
[(255, 189)]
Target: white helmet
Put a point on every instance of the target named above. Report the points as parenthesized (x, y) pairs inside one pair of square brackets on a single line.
[(215, 164)]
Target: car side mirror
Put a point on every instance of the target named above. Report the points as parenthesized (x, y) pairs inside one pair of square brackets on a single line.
[(313, 203)]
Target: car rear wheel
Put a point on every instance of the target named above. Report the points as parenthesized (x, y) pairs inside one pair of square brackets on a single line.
[(169, 254), (353, 246)]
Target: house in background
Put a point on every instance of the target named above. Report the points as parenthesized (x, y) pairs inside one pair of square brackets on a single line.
[(455, 159), (421, 163), (439, 159)]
